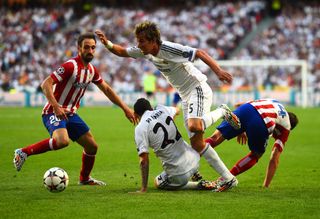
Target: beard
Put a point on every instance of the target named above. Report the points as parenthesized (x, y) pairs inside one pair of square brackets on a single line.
[(87, 57)]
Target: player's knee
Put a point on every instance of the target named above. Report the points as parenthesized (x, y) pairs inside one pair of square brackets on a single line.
[(156, 183), (256, 155), (214, 140), (91, 148), (160, 182), (62, 142), (194, 127)]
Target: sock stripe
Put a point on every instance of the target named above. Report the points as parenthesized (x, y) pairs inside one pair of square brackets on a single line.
[(89, 155), (205, 149), (51, 144)]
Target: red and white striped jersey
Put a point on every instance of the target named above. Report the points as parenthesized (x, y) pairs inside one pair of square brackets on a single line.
[(72, 79), (276, 119)]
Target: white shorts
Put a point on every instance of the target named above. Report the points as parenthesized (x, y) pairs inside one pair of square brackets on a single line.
[(197, 104), (165, 181)]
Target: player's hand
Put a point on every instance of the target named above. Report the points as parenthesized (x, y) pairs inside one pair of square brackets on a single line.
[(224, 76), (130, 115), (242, 138), (102, 37), (60, 113), (138, 192)]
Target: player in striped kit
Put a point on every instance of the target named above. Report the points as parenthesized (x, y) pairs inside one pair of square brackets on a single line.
[(174, 61), (64, 89), (259, 120), (180, 162)]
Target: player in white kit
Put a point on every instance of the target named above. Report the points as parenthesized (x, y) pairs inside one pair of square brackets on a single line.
[(180, 162), (174, 61)]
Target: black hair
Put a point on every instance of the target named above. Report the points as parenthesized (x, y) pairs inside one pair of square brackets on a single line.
[(142, 105), (88, 35), (293, 120)]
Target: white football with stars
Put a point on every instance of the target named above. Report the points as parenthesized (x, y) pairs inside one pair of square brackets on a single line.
[(55, 179)]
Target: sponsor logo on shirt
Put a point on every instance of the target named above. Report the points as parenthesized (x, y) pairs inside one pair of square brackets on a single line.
[(80, 85)]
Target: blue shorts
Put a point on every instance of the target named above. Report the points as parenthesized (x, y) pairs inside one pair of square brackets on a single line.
[(176, 98), (75, 126), (252, 124)]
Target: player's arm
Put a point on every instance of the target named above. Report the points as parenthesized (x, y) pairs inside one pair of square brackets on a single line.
[(47, 88), (223, 75), (272, 167), (144, 168), (114, 98), (114, 48)]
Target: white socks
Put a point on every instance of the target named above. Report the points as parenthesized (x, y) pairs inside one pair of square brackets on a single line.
[(214, 160), (211, 117), (190, 185)]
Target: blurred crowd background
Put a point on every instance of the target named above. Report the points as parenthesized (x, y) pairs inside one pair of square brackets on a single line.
[(38, 35)]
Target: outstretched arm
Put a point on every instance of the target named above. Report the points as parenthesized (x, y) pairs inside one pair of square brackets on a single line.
[(114, 48), (223, 75), (111, 94), (144, 167), (272, 167)]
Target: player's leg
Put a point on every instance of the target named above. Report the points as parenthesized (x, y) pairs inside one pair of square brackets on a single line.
[(88, 158), (162, 181), (226, 131), (223, 112), (80, 133), (57, 129), (215, 139), (245, 163), (206, 151), (167, 182), (199, 103), (257, 135)]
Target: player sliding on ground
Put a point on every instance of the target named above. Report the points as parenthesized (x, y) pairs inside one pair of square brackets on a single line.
[(63, 89), (180, 162), (174, 61)]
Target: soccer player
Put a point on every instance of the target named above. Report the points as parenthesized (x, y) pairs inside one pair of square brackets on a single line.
[(150, 85), (180, 162), (259, 119), (174, 61), (63, 89)]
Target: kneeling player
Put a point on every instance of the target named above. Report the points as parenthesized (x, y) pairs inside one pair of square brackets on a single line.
[(180, 161)]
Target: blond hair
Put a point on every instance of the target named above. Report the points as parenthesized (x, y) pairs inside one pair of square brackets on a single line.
[(149, 30)]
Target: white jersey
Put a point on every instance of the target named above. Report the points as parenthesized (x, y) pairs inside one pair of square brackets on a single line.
[(174, 61), (158, 131)]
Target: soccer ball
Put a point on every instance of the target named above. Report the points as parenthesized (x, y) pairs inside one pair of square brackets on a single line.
[(55, 179)]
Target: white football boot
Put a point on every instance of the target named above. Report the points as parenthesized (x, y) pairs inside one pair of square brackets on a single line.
[(230, 117), (92, 182), (224, 185), (19, 158)]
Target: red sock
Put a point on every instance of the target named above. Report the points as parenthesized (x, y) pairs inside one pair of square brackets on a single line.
[(40, 147), (244, 164), (210, 141), (87, 165)]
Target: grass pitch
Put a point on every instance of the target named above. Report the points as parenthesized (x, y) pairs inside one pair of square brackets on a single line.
[(294, 192)]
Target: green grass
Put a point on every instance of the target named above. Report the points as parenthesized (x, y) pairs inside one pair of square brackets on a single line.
[(294, 192)]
